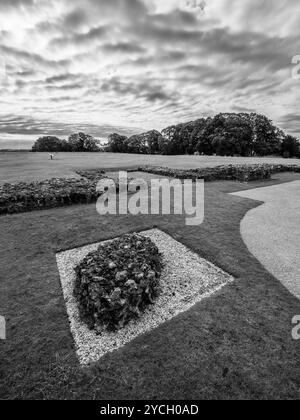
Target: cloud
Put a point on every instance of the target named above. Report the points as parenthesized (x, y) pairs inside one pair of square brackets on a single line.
[(29, 58), (60, 78), (147, 90), (12, 124), (93, 34), (75, 19), (291, 123), (123, 47), (147, 63), (11, 4)]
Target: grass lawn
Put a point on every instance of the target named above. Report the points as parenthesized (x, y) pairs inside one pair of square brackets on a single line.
[(236, 344), (38, 166)]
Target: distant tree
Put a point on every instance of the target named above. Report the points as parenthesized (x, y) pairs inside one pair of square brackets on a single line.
[(65, 147), (195, 129), (205, 137), (145, 143), (183, 138), (173, 144), (136, 144), (238, 134), (91, 144), (116, 143), (164, 146), (50, 144), (153, 139), (225, 134), (266, 137), (81, 142), (290, 147)]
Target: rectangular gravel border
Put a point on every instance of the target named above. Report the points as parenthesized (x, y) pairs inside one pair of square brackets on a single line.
[(186, 279)]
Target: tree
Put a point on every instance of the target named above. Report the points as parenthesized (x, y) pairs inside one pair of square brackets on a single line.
[(163, 146), (81, 142), (136, 144), (238, 134), (153, 139), (290, 147), (205, 137), (173, 144), (196, 130), (91, 144), (145, 143), (76, 143), (225, 134), (266, 137), (116, 143)]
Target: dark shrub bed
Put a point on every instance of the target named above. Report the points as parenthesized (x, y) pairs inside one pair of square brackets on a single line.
[(56, 192), (117, 282), (243, 173)]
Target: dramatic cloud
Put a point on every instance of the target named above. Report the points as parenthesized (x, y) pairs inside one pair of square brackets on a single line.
[(20, 125), (144, 63)]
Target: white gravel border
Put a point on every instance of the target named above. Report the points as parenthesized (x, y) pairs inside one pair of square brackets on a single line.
[(186, 279)]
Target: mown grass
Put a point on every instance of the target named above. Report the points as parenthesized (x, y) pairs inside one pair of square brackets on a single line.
[(236, 344)]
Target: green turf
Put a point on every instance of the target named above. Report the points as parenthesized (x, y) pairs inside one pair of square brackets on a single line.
[(236, 344), (38, 166)]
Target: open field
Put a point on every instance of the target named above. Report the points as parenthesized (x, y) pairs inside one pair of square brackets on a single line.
[(235, 344), (38, 166)]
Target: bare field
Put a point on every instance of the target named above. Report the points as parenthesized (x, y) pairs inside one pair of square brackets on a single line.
[(16, 166)]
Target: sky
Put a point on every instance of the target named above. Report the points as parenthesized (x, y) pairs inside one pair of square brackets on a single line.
[(133, 65)]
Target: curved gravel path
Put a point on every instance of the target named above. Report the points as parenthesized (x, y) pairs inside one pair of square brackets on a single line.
[(186, 280), (272, 231)]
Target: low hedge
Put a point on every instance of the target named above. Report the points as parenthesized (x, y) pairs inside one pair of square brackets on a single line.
[(116, 283), (242, 173), (56, 192)]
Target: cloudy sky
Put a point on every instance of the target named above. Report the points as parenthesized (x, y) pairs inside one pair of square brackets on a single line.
[(143, 64)]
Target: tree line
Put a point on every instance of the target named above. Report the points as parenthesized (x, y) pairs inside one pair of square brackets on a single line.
[(226, 134)]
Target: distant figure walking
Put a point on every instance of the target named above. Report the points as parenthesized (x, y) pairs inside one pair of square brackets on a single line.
[(51, 156), (2, 328)]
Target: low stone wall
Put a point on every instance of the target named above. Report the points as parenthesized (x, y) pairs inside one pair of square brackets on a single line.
[(56, 192)]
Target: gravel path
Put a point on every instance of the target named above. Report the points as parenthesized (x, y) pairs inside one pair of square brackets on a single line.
[(272, 231), (186, 279)]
